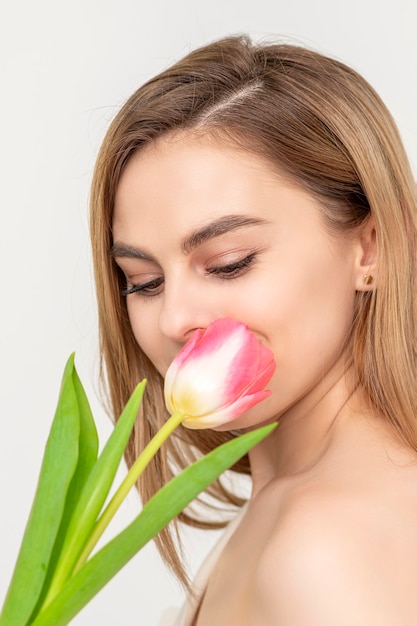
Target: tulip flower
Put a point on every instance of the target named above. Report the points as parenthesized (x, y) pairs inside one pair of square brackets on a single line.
[(218, 375)]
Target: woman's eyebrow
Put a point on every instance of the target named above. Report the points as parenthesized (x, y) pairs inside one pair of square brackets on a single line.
[(218, 227), (213, 229), (122, 250)]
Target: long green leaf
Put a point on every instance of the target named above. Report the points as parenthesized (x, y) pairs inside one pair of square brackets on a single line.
[(58, 465), (94, 493), (156, 514), (87, 457), (88, 440)]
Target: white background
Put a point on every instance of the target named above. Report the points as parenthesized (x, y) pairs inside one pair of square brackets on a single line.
[(65, 70)]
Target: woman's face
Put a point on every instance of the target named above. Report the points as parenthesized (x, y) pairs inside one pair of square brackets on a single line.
[(203, 231)]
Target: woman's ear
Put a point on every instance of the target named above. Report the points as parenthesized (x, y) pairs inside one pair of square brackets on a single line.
[(366, 257)]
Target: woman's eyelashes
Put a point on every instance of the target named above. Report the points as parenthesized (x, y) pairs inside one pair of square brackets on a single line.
[(148, 289), (229, 271), (233, 270)]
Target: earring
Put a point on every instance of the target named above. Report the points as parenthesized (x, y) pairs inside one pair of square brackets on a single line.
[(368, 279)]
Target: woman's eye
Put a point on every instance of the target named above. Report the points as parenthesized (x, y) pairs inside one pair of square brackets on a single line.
[(232, 270), (148, 289)]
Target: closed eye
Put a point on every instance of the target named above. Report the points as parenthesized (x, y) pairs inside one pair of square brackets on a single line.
[(233, 270), (148, 289), (154, 287)]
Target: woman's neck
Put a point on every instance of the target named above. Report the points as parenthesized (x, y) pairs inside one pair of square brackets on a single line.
[(304, 433)]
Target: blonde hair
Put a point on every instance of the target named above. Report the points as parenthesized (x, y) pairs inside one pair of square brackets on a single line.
[(323, 125)]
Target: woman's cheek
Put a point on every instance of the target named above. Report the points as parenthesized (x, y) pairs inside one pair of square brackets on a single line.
[(143, 329)]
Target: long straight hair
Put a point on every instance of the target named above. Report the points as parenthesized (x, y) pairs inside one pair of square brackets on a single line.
[(319, 122)]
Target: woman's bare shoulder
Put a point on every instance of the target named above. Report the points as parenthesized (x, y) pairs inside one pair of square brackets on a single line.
[(342, 551)]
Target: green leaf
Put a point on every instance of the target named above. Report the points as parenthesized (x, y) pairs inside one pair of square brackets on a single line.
[(156, 514), (87, 457), (88, 440), (94, 493), (58, 465)]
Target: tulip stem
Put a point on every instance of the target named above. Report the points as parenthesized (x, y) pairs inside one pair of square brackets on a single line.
[(130, 480)]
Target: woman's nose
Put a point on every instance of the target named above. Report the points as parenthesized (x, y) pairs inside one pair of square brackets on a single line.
[(184, 310)]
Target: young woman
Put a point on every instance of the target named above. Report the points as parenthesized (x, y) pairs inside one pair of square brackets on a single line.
[(268, 183)]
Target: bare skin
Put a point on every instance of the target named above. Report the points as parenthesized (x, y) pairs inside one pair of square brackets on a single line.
[(202, 231), (330, 542)]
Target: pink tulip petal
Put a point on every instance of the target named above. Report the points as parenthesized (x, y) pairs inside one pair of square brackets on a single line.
[(189, 350), (216, 335), (219, 374), (261, 379), (202, 382), (226, 414), (175, 368), (250, 361)]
